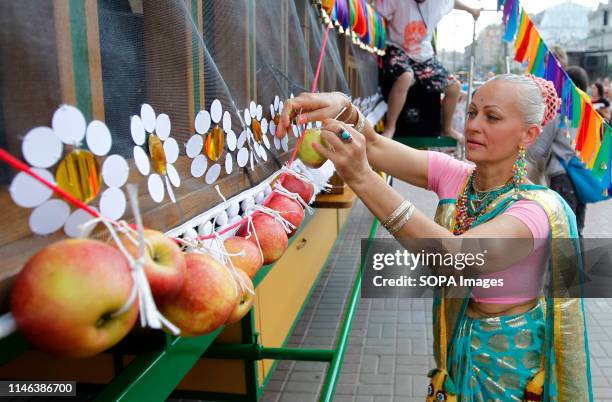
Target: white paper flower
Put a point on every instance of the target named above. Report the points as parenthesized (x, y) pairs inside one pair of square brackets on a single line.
[(253, 141), (209, 143), (163, 152), (78, 173), (275, 112)]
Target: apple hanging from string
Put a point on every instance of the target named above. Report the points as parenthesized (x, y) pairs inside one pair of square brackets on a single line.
[(296, 185), (289, 209), (164, 263), (66, 297), (246, 298), (207, 298), (307, 154), (269, 233), (250, 259)]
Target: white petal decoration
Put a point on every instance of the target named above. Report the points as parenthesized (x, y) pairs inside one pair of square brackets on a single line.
[(266, 141), (194, 146), (205, 228), (272, 128), (147, 114), (202, 122), (296, 131), (264, 126), (72, 227), (198, 166), (190, 234), (171, 149), (41, 147), (156, 187), (253, 109), (277, 143), (213, 174), (98, 138), (142, 161), (69, 124), (243, 157), (267, 190), (280, 106), (242, 139), (221, 218), (309, 125), (259, 197), (229, 164), (230, 140), (247, 203), (272, 112), (163, 126), (285, 143), (247, 117), (276, 102), (170, 190), (27, 192), (112, 203), (292, 96), (318, 124), (115, 171), (49, 217), (233, 220), (173, 175), (233, 209), (252, 160), (227, 122), (259, 112), (137, 130), (264, 155), (216, 111)]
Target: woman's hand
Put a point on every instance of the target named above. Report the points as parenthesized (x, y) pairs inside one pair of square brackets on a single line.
[(312, 107), (349, 158)]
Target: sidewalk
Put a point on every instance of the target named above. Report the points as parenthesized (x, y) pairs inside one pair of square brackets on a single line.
[(389, 350)]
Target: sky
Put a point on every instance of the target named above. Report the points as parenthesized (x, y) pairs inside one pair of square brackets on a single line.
[(456, 29)]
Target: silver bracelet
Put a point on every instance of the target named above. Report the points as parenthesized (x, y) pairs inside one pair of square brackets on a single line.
[(402, 221), (361, 121), (395, 215)]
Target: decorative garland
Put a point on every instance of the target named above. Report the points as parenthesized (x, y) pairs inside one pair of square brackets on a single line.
[(594, 137), (358, 19)]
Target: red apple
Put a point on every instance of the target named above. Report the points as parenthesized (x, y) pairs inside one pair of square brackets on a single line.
[(207, 298), (250, 261), (64, 298), (295, 185), (246, 299), (289, 209), (164, 263), (271, 235)]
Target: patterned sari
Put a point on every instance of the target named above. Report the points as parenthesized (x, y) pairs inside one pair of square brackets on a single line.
[(494, 358)]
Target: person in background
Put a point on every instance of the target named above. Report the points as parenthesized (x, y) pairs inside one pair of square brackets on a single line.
[(560, 55), (606, 85), (556, 143), (410, 56), (600, 102)]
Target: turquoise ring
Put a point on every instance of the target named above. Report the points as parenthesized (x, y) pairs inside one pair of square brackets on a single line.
[(346, 137)]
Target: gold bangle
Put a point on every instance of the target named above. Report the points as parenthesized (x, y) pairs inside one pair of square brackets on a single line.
[(402, 221), (395, 215), (361, 121)]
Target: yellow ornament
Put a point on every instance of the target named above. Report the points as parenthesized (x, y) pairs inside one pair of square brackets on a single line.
[(158, 155), (79, 175), (441, 388)]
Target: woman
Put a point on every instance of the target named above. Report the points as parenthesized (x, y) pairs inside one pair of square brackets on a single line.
[(496, 345)]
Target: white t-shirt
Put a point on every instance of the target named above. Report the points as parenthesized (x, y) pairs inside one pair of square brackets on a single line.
[(409, 31)]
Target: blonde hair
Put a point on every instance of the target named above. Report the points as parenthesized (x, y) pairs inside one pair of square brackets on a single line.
[(530, 101)]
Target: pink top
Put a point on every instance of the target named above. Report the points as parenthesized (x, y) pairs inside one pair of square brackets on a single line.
[(523, 280)]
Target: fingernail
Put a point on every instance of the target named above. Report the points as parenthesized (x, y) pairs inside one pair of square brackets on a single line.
[(302, 119)]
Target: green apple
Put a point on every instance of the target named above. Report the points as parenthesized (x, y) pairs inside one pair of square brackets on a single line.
[(307, 153)]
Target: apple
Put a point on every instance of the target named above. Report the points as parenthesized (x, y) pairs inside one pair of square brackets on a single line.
[(251, 261), (164, 263), (64, 298), (246, 299), (307, 154), (271, 235), (289, 209), (207, 298), (300, 187)]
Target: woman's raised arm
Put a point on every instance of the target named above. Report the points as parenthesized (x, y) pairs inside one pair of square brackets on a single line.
[(398, 160)]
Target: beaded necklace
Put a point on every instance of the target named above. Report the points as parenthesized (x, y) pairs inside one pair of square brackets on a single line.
[(471, 204)]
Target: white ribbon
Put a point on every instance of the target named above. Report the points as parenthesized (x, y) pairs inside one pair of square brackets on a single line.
[(288, 226), (300, 176), (278, 188)]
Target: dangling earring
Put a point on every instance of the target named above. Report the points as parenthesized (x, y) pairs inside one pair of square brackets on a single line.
[(519, 169)]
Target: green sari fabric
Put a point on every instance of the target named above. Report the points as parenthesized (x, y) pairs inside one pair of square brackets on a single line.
[(566, 357)]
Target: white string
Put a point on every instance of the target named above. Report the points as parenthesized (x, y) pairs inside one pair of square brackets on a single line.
[(288, 226), (278, 188), (300, 176), (251, 225)]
